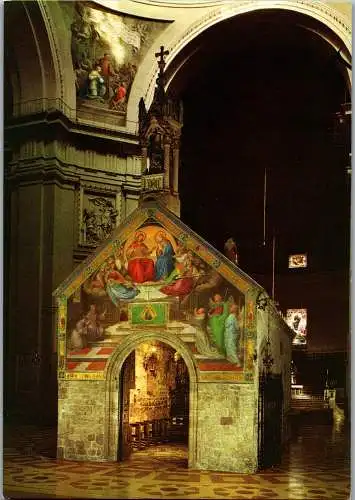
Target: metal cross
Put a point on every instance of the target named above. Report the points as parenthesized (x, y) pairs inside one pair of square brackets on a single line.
[(161, 54)]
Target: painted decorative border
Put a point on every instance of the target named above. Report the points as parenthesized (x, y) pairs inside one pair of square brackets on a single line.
[(61, 333), (250, 334), (222, 377), (69, 375)]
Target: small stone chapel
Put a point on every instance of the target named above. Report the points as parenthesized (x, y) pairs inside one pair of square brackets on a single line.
[(162, 339)]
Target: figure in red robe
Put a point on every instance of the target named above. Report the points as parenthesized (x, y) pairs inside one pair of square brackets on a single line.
[(106, 71), (181, 281), (140, 264), (119, 97)]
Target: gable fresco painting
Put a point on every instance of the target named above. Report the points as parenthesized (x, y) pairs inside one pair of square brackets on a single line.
[(150, 279), (106, 51)]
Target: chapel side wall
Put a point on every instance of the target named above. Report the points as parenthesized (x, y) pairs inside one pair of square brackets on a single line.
[(81, 418), (282, 354), (227, 427), (271, 324)]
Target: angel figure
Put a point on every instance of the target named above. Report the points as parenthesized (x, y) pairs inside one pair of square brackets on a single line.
[(203, 342), (232, 334), (217, 315), (117, 286)]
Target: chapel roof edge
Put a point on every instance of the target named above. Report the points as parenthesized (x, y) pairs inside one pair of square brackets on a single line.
[(151, 207)]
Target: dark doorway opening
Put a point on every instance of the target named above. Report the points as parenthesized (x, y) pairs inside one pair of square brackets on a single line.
[(270, 420)]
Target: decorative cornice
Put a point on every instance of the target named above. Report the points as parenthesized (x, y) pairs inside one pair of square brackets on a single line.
[(48, 111), (33, 153)]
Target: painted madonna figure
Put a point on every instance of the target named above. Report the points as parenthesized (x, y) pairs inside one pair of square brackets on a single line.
[(165, 256)]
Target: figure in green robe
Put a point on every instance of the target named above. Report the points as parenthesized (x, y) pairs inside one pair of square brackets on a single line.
[(217, 315)]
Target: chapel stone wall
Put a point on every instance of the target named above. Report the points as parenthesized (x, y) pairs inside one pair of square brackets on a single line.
[(227, 427), (272, 327), (81, 420)]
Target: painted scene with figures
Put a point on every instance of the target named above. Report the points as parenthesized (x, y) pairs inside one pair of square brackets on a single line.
[(151, 278)]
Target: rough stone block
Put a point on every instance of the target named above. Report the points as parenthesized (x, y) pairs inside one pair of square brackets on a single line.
[(226, 420)]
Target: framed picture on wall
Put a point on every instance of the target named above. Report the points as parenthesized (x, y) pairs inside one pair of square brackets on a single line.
[(297, 261), (297, 321)]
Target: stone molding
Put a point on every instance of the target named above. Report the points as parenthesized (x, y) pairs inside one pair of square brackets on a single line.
[(51, 111), (70, 156), (59, 73)]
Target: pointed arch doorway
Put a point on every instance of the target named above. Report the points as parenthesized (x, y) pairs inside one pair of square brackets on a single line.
[(152, 401)]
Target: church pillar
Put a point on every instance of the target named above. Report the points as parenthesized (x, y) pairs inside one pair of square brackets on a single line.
[(45, 201), (167, 166), (41, 218)]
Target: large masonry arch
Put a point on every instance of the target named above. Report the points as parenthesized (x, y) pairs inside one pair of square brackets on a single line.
[(337, 32)]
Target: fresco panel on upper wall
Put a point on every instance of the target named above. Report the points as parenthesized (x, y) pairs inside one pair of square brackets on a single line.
[(107, 49)]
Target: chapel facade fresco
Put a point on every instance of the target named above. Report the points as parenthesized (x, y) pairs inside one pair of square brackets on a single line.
[(107, 48), (153, 276)]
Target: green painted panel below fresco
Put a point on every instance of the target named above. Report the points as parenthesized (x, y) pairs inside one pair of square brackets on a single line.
[(152, 314)]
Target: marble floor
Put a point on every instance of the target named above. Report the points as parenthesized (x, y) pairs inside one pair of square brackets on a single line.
[(315, 465)]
